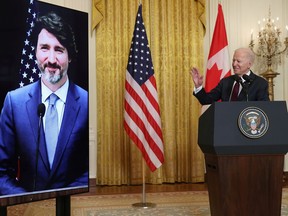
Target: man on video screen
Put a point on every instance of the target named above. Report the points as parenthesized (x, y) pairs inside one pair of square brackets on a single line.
[(44, 125)]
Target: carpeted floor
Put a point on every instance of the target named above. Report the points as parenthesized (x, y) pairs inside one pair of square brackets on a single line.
[(168, 203)]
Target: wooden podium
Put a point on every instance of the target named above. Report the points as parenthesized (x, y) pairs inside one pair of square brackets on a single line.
[(244, 144)]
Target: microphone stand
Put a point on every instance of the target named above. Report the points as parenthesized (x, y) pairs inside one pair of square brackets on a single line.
[(247, 83), (40, 112), (37, 151), (245, 86)]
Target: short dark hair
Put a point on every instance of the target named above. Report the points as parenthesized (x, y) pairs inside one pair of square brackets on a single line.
[(55, 24)]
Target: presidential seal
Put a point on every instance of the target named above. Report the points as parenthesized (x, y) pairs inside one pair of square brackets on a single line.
[(253, 122)]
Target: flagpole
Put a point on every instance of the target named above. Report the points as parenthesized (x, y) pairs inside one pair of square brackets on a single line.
[(143, 182), (143, 204)]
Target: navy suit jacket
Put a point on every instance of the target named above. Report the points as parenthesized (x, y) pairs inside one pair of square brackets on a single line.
[(19, 124), (257, 90)]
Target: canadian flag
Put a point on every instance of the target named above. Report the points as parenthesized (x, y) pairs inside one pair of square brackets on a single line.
[(218, 65)]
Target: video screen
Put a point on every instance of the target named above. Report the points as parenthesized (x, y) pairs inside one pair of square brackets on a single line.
[(44, 126)]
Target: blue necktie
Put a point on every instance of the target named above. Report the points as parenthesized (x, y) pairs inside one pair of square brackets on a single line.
[(51, 128)]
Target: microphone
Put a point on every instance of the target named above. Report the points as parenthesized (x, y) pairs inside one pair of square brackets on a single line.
[(40, 112), (246, 84), (247, 78), (238, 79)]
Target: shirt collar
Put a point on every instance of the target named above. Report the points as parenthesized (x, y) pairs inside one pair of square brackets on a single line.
[(61, 92)]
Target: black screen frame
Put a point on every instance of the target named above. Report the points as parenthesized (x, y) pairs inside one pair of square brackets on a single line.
[(14, 11)]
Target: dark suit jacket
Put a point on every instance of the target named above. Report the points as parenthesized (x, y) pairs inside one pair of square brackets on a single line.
[(257, 90), (18, 142)]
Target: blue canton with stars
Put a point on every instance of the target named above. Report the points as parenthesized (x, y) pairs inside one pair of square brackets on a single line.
[(140, 62), (29, 71)]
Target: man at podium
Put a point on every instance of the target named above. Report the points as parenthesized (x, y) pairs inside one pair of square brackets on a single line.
[(244, 85), (243, 143)]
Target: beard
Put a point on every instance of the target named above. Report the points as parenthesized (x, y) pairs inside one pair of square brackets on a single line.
[(52, 77)]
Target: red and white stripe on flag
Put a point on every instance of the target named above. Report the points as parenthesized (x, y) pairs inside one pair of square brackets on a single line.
[(142, 120), (218, 65)]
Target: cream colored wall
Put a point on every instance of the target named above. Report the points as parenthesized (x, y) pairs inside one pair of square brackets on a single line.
[(240, 17), (85, 6)]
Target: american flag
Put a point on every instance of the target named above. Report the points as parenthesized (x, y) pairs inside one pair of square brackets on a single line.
[(142, 113), (29, 71)]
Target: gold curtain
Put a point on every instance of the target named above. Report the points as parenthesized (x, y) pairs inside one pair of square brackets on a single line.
[(175, 30)]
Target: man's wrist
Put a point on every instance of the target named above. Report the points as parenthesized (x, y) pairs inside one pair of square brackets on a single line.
[(197, 89)]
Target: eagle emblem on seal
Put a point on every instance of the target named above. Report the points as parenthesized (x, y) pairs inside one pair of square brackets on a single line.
[(253, 122)]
